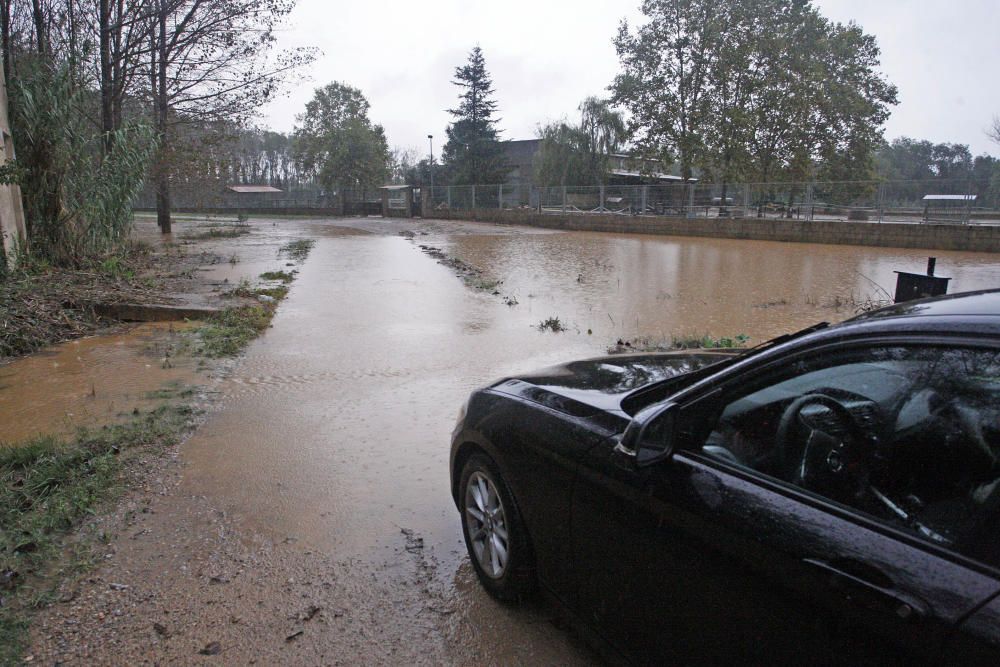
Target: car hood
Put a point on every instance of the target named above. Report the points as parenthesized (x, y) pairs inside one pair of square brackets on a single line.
[(583, 387)]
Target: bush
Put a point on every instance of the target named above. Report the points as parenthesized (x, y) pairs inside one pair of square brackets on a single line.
[(78, 185)]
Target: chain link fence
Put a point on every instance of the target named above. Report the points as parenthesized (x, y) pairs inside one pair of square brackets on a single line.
[(873, 201)]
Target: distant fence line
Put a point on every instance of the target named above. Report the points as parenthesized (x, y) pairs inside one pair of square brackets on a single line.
[(890, 201)]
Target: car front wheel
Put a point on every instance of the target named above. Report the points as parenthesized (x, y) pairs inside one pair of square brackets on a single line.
[(494, 534)]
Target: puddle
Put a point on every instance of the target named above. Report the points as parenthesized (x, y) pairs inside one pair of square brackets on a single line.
[(90, 381)]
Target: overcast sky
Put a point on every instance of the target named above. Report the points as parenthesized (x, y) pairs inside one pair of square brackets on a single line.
[(547, 55)]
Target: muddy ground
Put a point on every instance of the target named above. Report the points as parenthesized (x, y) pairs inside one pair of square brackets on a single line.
[(308, 520)]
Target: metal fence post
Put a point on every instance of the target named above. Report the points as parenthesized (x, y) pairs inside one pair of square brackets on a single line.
[(602, 209), (690, 211), (473, 197), (645, 191), (449, 197), (809, 199), (881, 200), (500, 196), (564, 199)]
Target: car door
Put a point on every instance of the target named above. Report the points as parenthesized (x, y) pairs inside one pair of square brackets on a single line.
[(721, 555)]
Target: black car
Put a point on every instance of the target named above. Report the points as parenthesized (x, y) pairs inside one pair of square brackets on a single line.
[(831, 496)]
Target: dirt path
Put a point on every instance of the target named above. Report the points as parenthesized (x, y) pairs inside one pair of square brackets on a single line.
[(308, 521)]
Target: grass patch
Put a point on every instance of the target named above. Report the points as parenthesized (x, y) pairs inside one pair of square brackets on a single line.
[(297, 250), (48, 487), (680, 342), (709, 342), (553, 324), (248, 291), (228, 333), (229, 232), (282, 276), (277, 293)]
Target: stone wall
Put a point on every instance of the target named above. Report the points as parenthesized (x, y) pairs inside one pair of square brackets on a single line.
[(929, 236)]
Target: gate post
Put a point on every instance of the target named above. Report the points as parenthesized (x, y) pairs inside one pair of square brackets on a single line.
[(449, 197), (426, 202), (408, 202), (473, 197), (564, 199), (601, 207), (385, 203), (500, 196)]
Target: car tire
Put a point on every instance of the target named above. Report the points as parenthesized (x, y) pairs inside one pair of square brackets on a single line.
[(494, 533)]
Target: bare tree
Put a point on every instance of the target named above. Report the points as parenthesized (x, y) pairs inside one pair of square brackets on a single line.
[(994, 131), (212, 60)]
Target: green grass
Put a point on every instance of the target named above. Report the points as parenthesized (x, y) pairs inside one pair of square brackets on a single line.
[(679, 342), (282, 276), (709, 342), (297, 250), (228, 333), (246, 290), (48, 488), (231, 232), (553, 324)]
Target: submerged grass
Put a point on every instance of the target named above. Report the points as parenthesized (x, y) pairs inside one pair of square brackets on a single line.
[(553, 324), (679, 342), (297, 250), (282, 276), (228, 333), (48, 487), (230, 232)]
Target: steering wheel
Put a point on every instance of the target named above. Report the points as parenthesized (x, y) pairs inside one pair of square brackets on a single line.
[(816, 459)]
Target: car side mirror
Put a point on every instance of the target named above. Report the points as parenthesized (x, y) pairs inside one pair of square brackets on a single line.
[(650, 435)]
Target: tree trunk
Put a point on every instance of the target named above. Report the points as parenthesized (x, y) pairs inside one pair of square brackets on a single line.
[(5, 36), (39, 19), (107, 94), (162, 108)]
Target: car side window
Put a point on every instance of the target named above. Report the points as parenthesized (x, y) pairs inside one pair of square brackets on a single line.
[(908, 435)]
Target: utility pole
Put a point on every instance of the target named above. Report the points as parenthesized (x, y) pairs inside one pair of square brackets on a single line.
[(430, 137)]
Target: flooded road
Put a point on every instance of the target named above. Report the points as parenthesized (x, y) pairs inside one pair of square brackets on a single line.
[(333, 432)]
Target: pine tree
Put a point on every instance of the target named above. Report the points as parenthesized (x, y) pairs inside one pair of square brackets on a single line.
[(473, 154)]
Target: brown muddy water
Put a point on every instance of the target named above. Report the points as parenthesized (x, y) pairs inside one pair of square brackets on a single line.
[(334, 429), (91, 381)]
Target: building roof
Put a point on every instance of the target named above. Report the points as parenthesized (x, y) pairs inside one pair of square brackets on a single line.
[(396, 187), (949, 197), (249, 189), (658, 176)]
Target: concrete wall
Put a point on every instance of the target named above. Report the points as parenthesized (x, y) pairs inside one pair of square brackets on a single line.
[(978, 238)]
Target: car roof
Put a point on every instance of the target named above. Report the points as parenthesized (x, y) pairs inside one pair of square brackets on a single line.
[(980, 303)]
